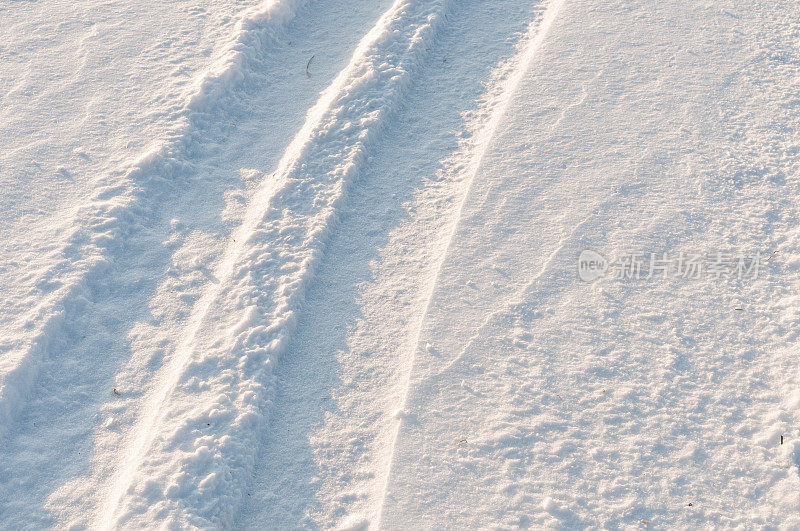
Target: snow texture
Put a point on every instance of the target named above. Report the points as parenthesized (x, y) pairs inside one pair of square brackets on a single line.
[(297, 264)]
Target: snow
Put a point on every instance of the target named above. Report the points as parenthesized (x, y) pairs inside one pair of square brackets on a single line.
[(240, 294)]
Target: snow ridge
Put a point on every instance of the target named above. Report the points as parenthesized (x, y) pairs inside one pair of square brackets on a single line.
[(125, 197), (192, 450)]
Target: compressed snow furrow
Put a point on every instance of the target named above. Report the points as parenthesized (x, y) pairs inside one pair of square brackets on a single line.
[(125, 198), (191, 452), (505, 81)]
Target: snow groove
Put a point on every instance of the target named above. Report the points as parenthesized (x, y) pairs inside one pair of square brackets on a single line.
[(125, 198), (192, 450), (505, 82)]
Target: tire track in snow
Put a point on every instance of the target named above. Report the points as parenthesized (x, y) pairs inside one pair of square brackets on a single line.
[(138, 308), (498, 101), (126, 197), (222, 370), (339, 381)]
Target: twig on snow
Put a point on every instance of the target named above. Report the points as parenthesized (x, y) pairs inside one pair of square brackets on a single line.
[(309, 64)]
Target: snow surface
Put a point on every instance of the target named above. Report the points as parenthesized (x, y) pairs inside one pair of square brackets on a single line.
[(315, 264)]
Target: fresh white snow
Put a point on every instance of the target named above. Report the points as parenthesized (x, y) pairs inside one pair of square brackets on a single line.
[(299, 264)]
